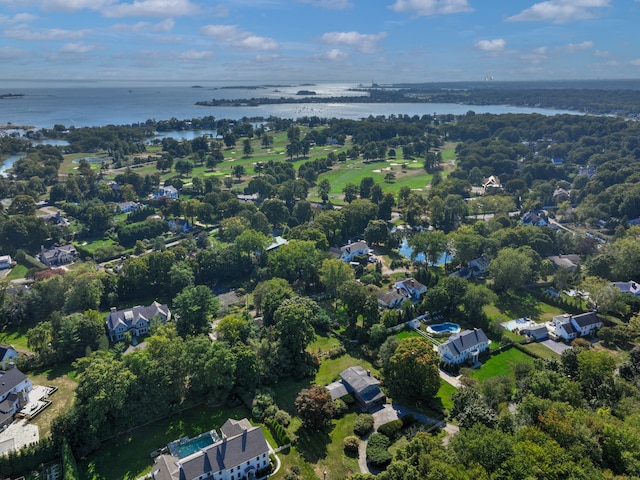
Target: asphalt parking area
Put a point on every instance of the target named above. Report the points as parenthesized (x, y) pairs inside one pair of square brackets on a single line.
[(554, 346)]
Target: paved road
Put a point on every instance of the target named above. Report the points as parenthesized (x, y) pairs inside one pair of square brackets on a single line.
[(450, 379)]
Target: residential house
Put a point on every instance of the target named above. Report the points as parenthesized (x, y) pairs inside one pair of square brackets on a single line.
[(14, 394), (348, 252), (533, 219), (537, 332), (479, 266), (588, 170), (359, 382), (136, 320), (277, 243), (240, 452), (391, 298), (560, 195), (128, 207), (557, 162), (56, 256), (244, 198), (463, 346), (569, 261), (5, 262), (179, 225), (569, 326), (493, 182), (7, 355), (410, 288), (630, 287), (168, 191), (57, 220)]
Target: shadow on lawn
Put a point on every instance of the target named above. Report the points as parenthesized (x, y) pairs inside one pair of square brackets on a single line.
[(313, 445), (519, 306)]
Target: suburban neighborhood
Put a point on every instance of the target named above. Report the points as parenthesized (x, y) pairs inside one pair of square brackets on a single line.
[(396, 297)]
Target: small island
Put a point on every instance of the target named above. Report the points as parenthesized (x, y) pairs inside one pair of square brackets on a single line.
[(306, 92)]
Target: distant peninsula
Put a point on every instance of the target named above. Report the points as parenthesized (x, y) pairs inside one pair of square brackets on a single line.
[(617, 99), (11, 95)]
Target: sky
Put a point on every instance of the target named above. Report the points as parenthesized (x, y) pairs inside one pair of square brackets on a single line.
[(363, 41)]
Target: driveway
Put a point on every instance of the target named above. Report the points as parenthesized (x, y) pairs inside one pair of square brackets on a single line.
[(450, 379), (554, 346), (390, 412)]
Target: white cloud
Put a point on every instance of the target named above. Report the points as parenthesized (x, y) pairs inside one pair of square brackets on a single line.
[(363, 42), (17, 18), (431, 7), (115, 9), (10, 53), (492, 46), (76, 47), (239, 38), (536, 56), (560, 11), (22, 32), (330, 4), (195, 55), (333, 55), (141, 27), (636, 62), (151, 8), (574, 47)]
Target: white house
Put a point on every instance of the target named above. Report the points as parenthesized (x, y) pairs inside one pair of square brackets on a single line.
[(391, 298), (239, 453), (569, 327), (14, 394), (7, 354), (136, 320), (463, 346), (348, 252), (56, 256), (410, 288), (630, 287), (5, 262), (168, 191), (127, 207)]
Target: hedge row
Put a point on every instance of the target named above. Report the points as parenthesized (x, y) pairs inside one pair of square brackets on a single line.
[(279, 433), (128, 235)]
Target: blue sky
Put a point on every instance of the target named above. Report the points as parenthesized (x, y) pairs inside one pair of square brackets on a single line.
[(262, 41)]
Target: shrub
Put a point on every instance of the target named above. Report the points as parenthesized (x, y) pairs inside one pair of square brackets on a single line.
[(408, 420), (339, 408), (283, 418), (390, 429), (377, 453), (279, 433), (348, 399), (351, 444), (363, 424)]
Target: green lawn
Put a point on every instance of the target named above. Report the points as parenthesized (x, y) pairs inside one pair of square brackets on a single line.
[(444, 394), (127, 456), (502, 364), (521, 304), (19, 271), (16, 336), (330, 368), (541, 351), (62, 376), (407, 334)]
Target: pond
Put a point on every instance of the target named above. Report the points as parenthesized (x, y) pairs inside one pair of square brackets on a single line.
[(8, 163), (405, 250)]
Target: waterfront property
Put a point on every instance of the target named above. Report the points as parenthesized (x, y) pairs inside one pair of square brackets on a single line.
[(463, 346), (136, 320), (240, 452)]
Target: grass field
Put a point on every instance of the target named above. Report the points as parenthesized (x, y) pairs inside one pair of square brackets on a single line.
[(19, 271), (16, 336), (444, 394), (63, 377), (511, 305), (502, 364), (541, 351)]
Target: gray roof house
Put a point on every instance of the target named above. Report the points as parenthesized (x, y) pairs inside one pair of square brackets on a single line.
[(56, 256), (569, 261), (136, 320), (238, 454), (410, 287), (14, 394), (359, 382), (463, 346), (630, 287)]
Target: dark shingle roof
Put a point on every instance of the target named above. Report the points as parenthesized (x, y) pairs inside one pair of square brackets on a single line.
[(586, 319), (10, 379), (358, 379), (467, 340), (130, 316)]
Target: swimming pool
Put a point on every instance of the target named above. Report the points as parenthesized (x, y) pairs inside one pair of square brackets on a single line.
[(186, 446), (445, 328)]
